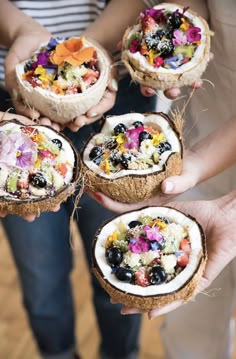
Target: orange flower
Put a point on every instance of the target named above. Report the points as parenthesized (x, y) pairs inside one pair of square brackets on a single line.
[(72, 51)]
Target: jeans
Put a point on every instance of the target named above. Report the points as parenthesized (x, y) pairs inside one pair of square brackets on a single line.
[(44, 260)]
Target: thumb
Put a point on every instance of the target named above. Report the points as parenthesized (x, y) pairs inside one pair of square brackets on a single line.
[(177, 184)]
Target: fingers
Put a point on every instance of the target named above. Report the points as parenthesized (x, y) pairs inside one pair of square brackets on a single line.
[(176, 184), (164, 310), (47, 122), (147, 91)]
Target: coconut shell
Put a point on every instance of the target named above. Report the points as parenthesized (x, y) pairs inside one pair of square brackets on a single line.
[(136, 187), (63, 109), (158, 79), (35, 206), (146, 303)]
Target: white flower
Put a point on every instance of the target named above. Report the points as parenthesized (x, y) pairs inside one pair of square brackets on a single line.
[(169, 262), (147, 147), (131, 259)]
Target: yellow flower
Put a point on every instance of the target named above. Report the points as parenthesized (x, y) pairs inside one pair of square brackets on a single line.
[(120, 139), (43, 75), (106, 166), (112, 238), (151, 56), (156, 139), (185, 25)]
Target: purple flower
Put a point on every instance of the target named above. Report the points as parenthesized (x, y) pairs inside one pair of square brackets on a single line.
[(180, 38), (53, 42), (43, 59), (155, 245), (132, 137), (193, 34), (139, 245), (153, 233), (157, 15), (23, 156), (134, 46), (175, 61)]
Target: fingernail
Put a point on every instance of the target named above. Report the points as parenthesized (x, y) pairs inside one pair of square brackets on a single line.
[(98, 196), (150, 92), (14, 94), (168, 187), (94, 114), (81, 124), (114, 84), (175, 92)]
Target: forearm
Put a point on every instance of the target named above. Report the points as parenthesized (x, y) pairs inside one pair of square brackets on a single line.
[(217, 151), (109, 27), (13, 21)]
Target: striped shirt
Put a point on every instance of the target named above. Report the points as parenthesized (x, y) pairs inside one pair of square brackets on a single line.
[(62, 18)]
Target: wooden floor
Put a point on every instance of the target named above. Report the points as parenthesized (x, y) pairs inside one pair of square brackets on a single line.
[(16, 341)]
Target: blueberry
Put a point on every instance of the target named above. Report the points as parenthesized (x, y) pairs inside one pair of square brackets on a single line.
[(114, 256), (137, 124), (134, 224), (164, 146), (38, 180), (163, 219), (157, 275), (166, 47), (28, 65), (120, 128), (58, 143), (124, 274), (144, 135), (174, 20), (124, 160), (115, 157), (95, 152)]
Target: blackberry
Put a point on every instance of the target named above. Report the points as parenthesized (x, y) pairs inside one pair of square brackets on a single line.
[(166, 47), (125, 159), (134, 224), (111, 144), (144, 135), (152, 39), (96, 152), (28, 65), (157, 275), (164, 146), (174, 20), (124, 274), (120, 128), (137, 124), (38, 180), (58, 143), (114, 256), (115, 157)]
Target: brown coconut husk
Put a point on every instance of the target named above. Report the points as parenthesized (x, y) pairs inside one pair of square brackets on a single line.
[(63, 109), (146, 303), (138, 187), (33, 206), (163, 81)]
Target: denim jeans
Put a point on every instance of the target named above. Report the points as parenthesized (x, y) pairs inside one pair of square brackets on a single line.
[(44, 260)]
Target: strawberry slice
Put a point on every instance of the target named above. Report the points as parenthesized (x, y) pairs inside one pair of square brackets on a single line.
[(142, 277), (182, 258), (185, 246)]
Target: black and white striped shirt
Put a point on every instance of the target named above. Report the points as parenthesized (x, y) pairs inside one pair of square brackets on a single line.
[(63, 18)]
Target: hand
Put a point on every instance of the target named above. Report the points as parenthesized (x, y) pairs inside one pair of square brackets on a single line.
[(30, 217), (106, 103), (174, 92), (171, 186), (218, 220), (27, 40)]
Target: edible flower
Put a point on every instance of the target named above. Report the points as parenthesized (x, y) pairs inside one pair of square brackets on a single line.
[(193, 34), (158, 61), (153, 234), (180, 38), (134, 46), (72, 52), (132, 137), (185, 24), (139, 245)]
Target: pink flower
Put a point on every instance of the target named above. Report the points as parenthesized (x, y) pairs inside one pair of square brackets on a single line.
[(134, 46), (158, 61), (180, 38), (193, 34), (153, 233), (132, 137), (139, 245)]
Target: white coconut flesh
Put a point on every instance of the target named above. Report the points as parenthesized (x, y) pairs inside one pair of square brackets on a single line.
[(67, 97), (196, 254), (198, 53), (49, 167), (153, 120)]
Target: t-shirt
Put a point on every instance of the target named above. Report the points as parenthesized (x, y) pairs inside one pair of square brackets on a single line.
[(63, 18)]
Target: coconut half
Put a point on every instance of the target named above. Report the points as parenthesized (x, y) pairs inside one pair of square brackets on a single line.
[(137, 182), (172, 73), (39, 168), (168, 266), (64, 108)]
